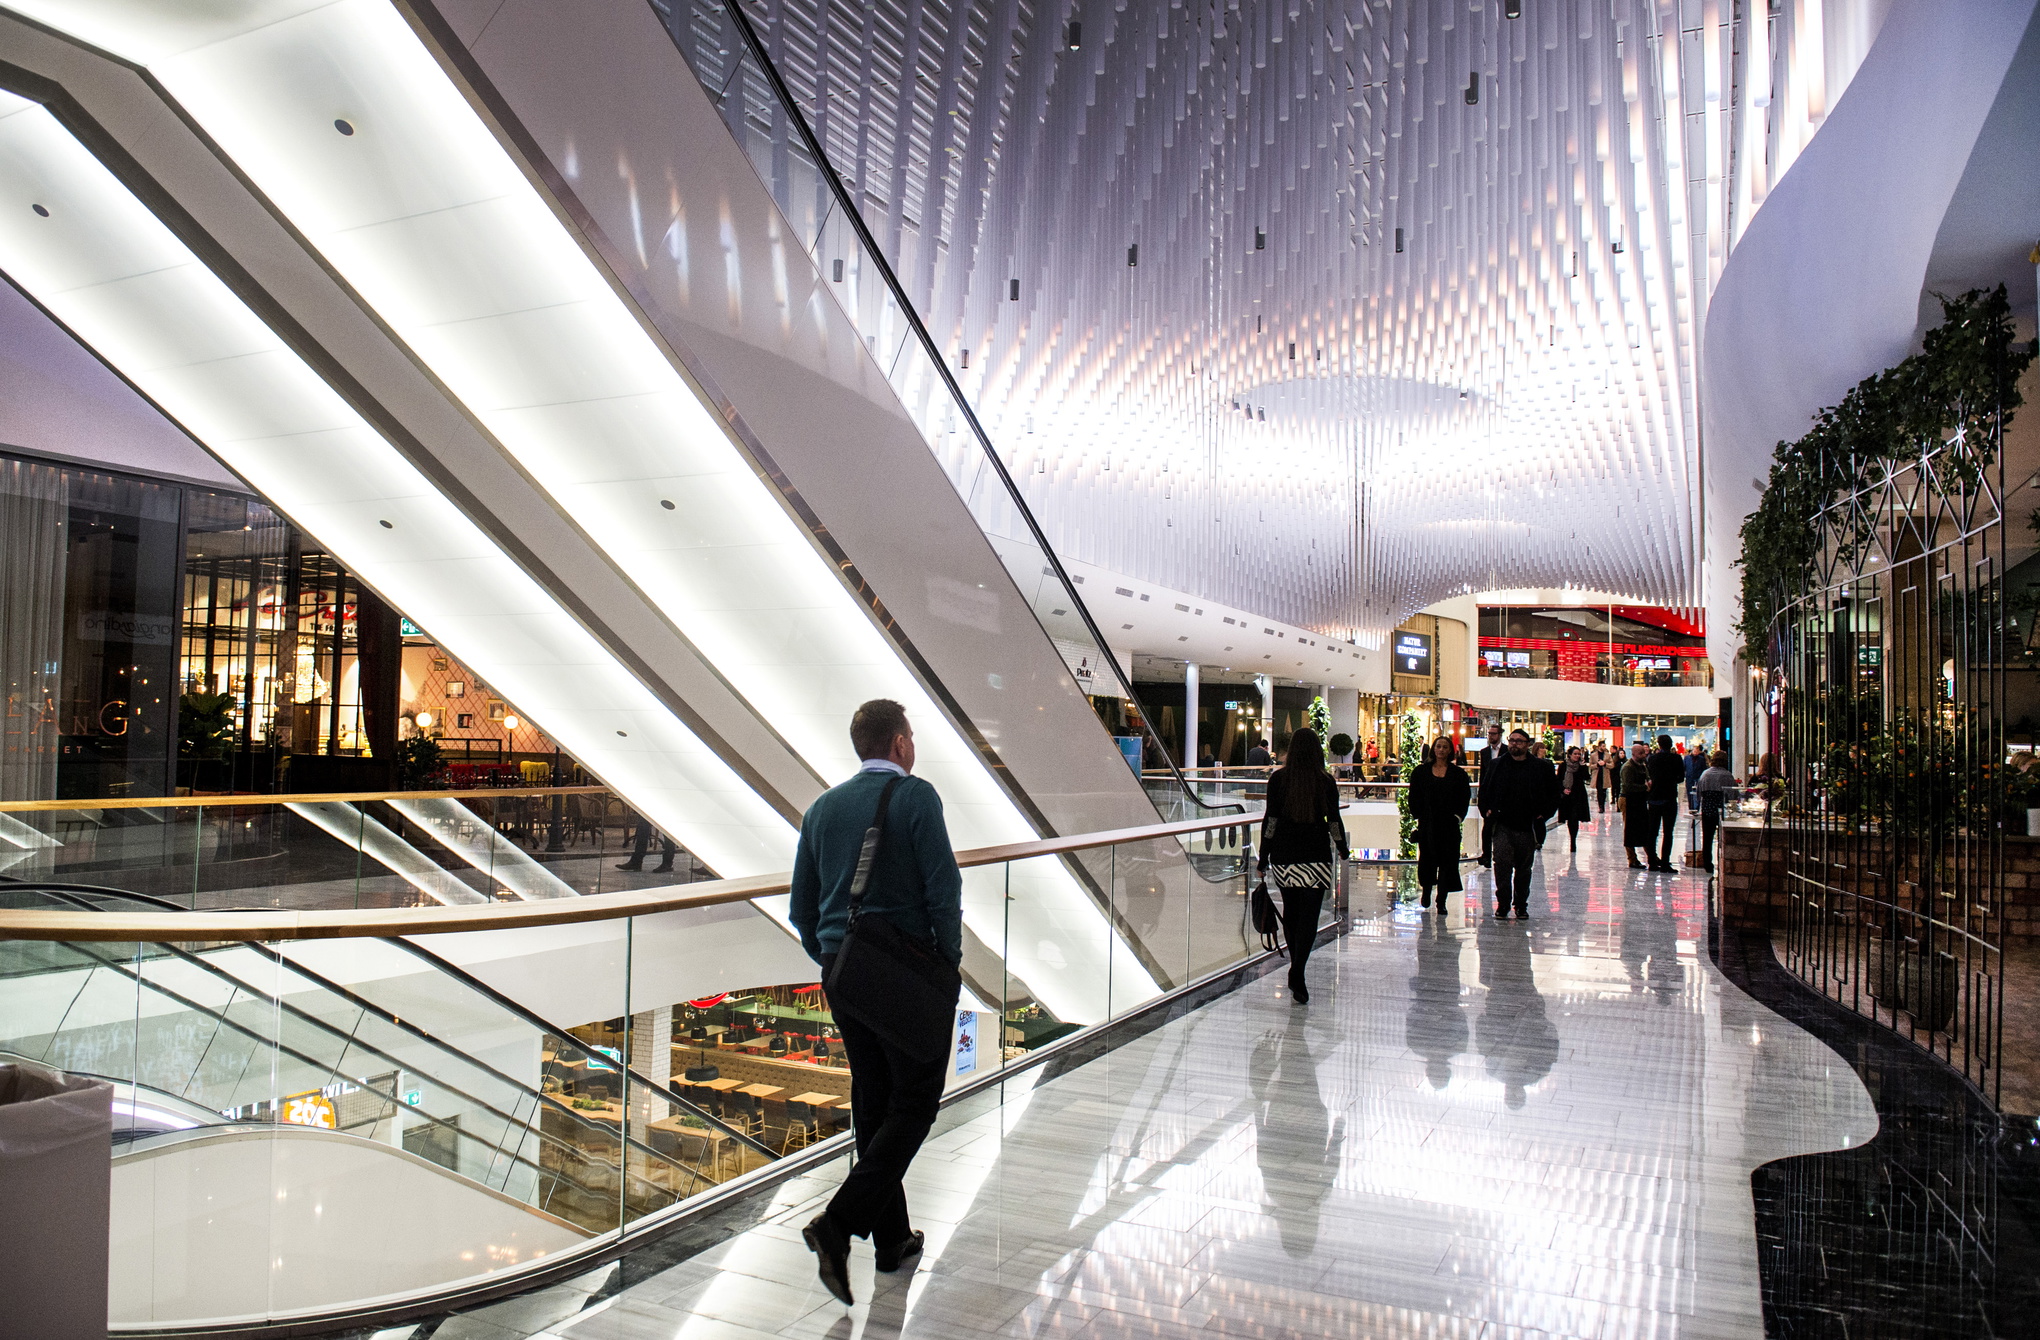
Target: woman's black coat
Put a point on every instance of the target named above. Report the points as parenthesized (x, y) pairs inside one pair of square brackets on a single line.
[(1576, 805), (1438, 804)]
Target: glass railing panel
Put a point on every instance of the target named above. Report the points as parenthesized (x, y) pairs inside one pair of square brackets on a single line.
[(438, 1116)]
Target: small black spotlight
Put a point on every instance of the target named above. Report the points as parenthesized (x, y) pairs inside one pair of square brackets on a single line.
[(1512, 9), (1074, 38), (1473, 88), (1133, 254), (1398, 241)]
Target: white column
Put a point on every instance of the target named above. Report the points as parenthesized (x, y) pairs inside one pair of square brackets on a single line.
[(1345, 706), (1265, 686), (651, 1055), (1190, 687)]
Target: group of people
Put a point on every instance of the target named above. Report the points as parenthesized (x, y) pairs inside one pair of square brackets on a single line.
[(877, 845), (1523, 793)]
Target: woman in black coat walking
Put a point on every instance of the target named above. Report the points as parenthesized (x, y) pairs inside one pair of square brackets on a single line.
[(1439, 793), (1299, 834), (1575, 775)]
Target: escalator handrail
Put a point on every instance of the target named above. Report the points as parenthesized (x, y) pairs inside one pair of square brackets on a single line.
[(790, 108), (445, 968), (315, 1063)]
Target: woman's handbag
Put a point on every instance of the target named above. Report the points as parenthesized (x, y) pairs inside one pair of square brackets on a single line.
[(1267, 921), (893, 984)]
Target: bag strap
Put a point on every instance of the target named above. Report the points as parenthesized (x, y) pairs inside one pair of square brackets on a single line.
[(867, 855)]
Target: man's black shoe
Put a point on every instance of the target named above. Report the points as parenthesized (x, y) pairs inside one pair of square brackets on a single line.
[(893, 1257), (665, 869), (831, 1246), (630, 865), (1486, 864)]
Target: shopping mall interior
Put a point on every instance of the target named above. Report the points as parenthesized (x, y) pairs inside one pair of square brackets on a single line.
[(463, 463)]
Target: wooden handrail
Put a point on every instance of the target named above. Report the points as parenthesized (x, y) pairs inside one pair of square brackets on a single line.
[(286, 924), (293, 798)]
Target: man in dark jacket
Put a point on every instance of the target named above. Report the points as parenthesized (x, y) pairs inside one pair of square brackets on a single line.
[(1517, 794), (1666, 771), (1495, 749), (914, 884)]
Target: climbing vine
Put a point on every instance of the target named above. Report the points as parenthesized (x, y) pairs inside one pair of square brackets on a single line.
[(1965, 375)]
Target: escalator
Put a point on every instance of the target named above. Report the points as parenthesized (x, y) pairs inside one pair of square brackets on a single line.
[(348, 1075)]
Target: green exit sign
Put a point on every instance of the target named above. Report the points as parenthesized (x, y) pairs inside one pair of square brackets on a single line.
[(1869, 656), (410, 629)]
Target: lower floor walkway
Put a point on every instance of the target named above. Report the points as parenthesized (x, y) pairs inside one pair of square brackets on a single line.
[(1475, 1128)]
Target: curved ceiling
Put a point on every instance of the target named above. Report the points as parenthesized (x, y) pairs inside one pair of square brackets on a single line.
[(1326, 310)]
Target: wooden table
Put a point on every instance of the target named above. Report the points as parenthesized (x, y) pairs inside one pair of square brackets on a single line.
[(762, 1090), (719, 1085), (709, 1150), (817, 1099)]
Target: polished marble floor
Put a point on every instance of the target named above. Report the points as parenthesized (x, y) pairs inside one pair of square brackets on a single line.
[(1475, 1128)]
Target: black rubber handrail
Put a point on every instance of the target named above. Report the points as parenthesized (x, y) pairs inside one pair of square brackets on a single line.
[(459, 975), (755, 45)]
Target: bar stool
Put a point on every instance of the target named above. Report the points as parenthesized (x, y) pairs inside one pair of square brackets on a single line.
[(801, 1127)]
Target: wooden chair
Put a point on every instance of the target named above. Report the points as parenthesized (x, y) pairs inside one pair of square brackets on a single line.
[(802, 1128)]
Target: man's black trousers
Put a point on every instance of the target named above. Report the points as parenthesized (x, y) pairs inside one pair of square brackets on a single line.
[(1664, 820), (893, 1100)]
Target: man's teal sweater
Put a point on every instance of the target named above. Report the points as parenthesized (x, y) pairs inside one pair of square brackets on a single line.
[(915, 883)]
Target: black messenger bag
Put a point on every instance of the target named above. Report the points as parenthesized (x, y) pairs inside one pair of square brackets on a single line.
[(885, 979)]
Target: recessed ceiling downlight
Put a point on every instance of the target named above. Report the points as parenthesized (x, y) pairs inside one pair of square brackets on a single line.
[(343, 125)]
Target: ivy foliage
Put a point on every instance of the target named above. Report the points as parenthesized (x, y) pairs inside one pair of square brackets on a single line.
[(1965, 375), (1409, 747)]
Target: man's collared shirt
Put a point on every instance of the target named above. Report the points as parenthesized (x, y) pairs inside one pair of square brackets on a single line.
[(882, 765)]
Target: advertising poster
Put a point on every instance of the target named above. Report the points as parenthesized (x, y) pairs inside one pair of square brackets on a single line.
[(966, 1041)]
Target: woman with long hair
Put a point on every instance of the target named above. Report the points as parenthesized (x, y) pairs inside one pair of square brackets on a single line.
[(1439, 793), (1300, 832), (1573, 807)]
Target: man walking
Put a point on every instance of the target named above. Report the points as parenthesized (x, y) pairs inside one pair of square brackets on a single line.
[(1518, 793), (1259, 757), (1666, 773), (914, 884), (1493, 751)]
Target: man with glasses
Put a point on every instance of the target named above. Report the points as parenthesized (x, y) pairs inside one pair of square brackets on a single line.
[(1518, 793)]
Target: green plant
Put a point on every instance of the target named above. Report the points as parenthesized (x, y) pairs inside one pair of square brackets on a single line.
[(421, 763), (1341, 745), (1409, 749), (1319, 717), (205, 725), (1964, 379)]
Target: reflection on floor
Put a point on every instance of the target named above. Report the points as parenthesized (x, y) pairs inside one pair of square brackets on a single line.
[(1475, 1128)]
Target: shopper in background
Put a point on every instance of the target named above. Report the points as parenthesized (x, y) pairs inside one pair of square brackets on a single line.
[(1259, 757), (1716, 786), (1573, 809), (1666, 772), (1696, 763), (1493, 751), (1300, 831), (1604, 774), (1519, 793), (1635, 797), (1439, 793)]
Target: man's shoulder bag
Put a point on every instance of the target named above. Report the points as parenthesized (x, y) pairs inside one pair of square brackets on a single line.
[(884, 978)]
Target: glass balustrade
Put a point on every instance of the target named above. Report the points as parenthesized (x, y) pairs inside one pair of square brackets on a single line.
[(366, 1072)]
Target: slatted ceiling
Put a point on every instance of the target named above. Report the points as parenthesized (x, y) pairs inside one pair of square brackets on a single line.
[(988, 153)]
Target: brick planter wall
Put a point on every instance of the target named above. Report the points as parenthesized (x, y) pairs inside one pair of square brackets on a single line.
[(1752, 865)]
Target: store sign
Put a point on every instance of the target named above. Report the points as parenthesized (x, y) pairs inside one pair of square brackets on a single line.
[(1582, 720), (966, 1041), (313, 1109), (140, 630), (1413, 654)]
